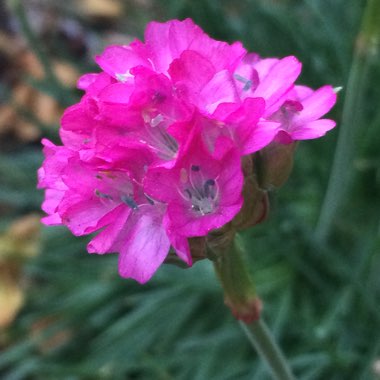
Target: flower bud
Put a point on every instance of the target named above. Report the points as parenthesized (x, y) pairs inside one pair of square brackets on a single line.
[(256, 203), (273, 164)]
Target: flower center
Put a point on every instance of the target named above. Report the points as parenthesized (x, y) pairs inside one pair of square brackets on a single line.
[(202, 193), (286, 113)]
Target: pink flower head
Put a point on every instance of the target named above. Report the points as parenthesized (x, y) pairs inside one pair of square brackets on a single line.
[(152, 153)]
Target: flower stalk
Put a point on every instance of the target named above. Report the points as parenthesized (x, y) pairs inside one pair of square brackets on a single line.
[(241, 297), (239, 290), (262, 340)]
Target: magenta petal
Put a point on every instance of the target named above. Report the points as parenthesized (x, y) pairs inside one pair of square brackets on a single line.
[(86, 216), (187, 224), (192, 69), (86, 80), (158, 183), (181, 247), (220, 89), (185, 35), (53, 198), (179, 243), (276, 80), (118, 60), (301, 92), (156, 39), (167, 41), (140, 239), (116, 93), (106, 240), (263, 134), (52, 220), (284, 137), (94, 83), (77, 127), (57, 158), (316, 105), (145, 247), (243, 123), (313, 129), (263, 65)]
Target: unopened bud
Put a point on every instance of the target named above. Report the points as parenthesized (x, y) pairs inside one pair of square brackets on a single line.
[(273, 164), (255, 207)]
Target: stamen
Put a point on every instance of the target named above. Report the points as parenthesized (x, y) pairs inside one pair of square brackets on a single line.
[(247, 82), (103, 195), (157, 138), (129, 202), (209, 188), (247, 86), (201, 193), (156, 120), (196, 181)]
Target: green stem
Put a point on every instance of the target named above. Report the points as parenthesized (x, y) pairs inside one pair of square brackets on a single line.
[(240, 296), (268, 350), (367, 45), (239, 290)]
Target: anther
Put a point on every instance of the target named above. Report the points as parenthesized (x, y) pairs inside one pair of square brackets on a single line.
[(129, 202), (247, 82), (103, 195)]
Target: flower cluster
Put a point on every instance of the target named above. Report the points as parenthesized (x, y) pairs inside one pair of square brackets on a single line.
[(152, 154)]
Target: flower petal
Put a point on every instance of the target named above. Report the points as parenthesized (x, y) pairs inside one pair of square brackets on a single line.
[(313, 129), (118, 60), (145, 247), (317, 104)]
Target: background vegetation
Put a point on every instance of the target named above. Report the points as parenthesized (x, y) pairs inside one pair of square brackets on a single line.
[(66, 315)]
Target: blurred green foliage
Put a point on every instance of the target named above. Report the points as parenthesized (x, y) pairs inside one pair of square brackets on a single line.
[(82, 322)]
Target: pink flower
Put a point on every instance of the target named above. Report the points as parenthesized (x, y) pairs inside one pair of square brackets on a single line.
[(152, 153), (300, 114), (203, 193), (296, 109)]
